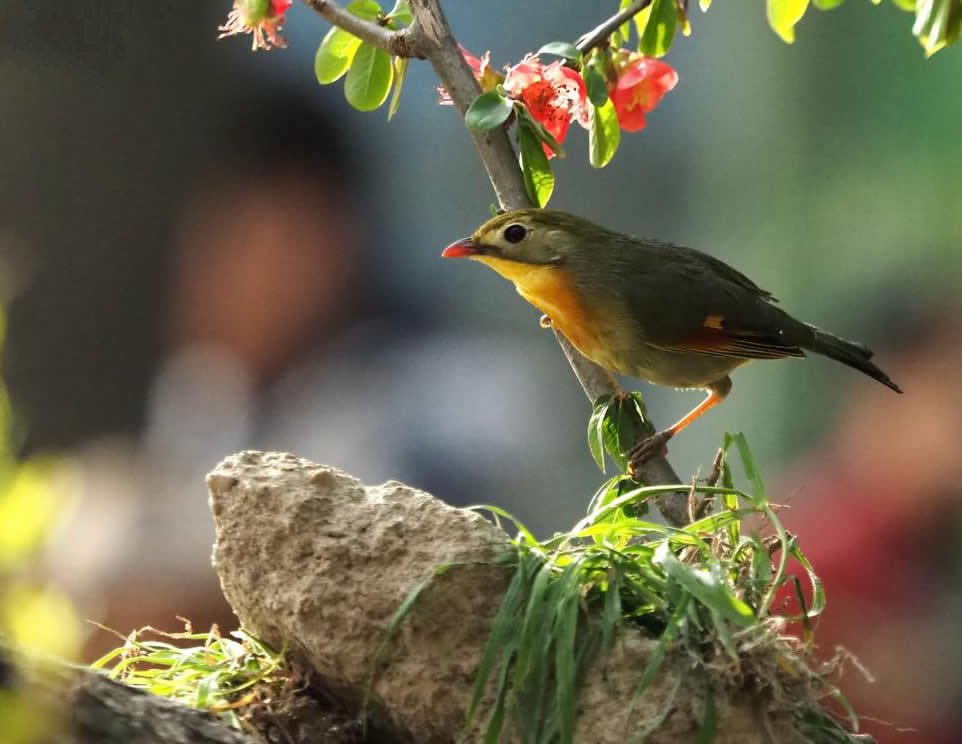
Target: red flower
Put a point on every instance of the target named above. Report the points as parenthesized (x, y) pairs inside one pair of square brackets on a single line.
[(478, 66), (487, 77), (642, 81), (554, 94), (262, 19)]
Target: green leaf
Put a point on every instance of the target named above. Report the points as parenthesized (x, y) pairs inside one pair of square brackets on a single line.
[(597, 87), (818, 590), (561, 49), (624, 426), (761, 562), (369, 80), (334, 55), (604, 135), (596, 437), (641, 22), (827, 4), (704, 585), (369, 10), (539, 130), (623, 34), (337, 50), (937, 23), (489, 110), (400, 72), (783, 15), (538, 178), (566, 625), (401, 13), (660, 29), (750, 466)]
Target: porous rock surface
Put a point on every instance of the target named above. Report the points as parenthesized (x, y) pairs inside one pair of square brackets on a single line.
[(314, 561)]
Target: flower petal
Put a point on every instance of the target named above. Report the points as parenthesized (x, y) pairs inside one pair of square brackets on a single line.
[(523, 75)]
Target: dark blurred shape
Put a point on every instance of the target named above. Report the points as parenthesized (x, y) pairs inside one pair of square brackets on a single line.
[(147, 377), (878, 510), (269, 260), (103, 114)]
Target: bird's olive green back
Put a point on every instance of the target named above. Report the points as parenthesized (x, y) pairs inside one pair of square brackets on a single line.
[(664, 291)]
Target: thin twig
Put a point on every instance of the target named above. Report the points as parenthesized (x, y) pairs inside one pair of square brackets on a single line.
[(716, 468), (698, 508), (599, 35), (401, 43)]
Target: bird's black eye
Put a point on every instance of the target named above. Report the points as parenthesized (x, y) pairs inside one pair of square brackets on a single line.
[(515, 233)]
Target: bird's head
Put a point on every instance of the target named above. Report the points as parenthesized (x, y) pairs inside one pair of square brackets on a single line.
[(533, 237)]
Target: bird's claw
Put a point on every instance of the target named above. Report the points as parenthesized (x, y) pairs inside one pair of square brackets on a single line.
[(654, 446)]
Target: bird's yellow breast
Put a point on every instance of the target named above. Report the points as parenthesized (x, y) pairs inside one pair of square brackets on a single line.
[(550, 289)]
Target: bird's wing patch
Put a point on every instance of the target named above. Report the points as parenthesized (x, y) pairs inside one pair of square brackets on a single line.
[(718, 338), (718, 268)]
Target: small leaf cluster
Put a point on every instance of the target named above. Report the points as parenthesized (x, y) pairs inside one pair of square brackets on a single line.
[(656, 25), (493, 109), (370, 72), (617, 423), (937, 22)]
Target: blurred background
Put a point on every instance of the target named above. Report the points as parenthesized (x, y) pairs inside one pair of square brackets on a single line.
[(203, 251)]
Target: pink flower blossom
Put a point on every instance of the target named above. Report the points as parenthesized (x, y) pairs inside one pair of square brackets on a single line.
[(488, 78), (554, 94), (641, 83)]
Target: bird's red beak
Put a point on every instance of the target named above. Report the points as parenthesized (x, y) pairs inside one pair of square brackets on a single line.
[(460, 249)]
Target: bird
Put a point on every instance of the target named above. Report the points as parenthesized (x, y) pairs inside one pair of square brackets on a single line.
[(660, 312)]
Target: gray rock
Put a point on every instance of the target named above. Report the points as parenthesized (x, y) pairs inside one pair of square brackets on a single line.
[(313, 560)]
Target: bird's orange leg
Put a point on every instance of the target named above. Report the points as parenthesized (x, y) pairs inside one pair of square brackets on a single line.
[(656, 443)]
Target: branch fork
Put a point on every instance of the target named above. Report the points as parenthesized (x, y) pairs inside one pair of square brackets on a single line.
[(403, 43)]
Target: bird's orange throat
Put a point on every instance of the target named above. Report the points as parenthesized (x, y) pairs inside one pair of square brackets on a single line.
[(550, 289)]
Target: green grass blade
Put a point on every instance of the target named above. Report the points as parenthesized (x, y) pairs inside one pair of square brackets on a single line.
[(709, 717), (706, 586), (751, 469)]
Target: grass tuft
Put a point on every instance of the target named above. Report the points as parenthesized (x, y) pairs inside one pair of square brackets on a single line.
[(231, 676), (714, 594)]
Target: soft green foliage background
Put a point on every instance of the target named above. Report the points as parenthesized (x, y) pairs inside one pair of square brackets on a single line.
[(34, 617)]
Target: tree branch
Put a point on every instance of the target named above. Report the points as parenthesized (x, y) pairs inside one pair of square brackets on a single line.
[(436, 43), (494, 148), (596, 37), (403, 43)]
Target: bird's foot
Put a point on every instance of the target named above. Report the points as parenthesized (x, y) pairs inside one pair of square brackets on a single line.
[(654, 446)]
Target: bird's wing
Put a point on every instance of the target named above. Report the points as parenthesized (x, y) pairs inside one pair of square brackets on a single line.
[(722, 269), (696, 303), (717, 336)]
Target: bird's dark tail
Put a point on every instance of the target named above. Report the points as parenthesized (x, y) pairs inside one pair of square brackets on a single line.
[(853, 354)]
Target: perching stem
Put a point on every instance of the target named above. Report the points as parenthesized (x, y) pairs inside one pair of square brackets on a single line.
[(599, 35), (403, 43)]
